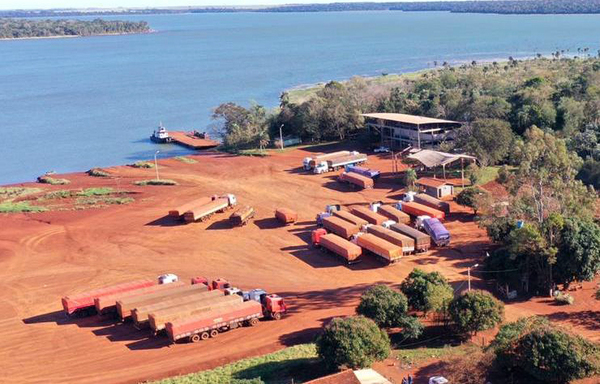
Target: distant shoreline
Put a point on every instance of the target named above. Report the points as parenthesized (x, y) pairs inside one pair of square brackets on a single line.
[(73, 36)]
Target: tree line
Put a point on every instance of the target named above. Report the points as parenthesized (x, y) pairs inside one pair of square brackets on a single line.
[(22, 28)]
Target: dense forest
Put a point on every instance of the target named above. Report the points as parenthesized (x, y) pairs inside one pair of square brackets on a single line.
[(22, 28), (486, 6)]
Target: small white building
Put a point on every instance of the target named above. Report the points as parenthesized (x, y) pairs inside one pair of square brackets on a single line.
[(437, 188)]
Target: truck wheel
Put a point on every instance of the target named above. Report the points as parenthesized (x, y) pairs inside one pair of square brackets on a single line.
[(195, 338), (276, 316), (253, 321), (204, 335), (214, 333)]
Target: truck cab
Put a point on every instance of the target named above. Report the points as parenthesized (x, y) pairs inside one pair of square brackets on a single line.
[(409, 196), (231, 199), (274, 306), (420, 220), (257, 295), (316, 235), (388, 224), (220, 284), (374, 206), (322, 167), (306, 163), (233, 291), (167, 278)]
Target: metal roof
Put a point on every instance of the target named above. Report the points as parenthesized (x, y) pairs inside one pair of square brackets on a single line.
[(429, 182), (431, 158), (410, 119)]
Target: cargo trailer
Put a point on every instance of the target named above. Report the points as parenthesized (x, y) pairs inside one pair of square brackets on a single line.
[(367, 172), (179, 211), (369, 215), (430, 201), (380, 247), (82, 304), (209, 324), (242, 216), (140, 314), (108, 304), (393, 214), (345, 215), (340, 227), (341, 247), (422, 240), (356, 180), (416, 209), (158, 319), (439, 234), (286, 216), (407, 243), (127, 304), (203, 212), (310, 162), (336, 163)]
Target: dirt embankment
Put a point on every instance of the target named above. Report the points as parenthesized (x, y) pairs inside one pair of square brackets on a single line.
[(45, 256)]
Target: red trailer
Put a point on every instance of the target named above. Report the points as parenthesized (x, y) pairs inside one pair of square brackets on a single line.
[(370, 216), (416, 209), (343, 248), (209, 324), (356, 180), (83, 303), (286, 216)]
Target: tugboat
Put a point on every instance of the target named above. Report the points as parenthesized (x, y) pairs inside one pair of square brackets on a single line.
[(161, 135)]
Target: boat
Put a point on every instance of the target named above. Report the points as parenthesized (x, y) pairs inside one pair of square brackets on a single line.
[(161, 135)]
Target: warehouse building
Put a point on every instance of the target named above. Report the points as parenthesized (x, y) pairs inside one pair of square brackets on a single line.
[(398, 130)]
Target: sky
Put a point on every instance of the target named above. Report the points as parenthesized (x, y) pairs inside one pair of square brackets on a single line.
[(48, 4)]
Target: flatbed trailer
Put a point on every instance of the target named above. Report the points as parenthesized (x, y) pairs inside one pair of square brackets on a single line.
[(179, 211), (340, 247), (203, 212), (422, 240), (335, 164), (345, 215), (393, 214), (340, 227), (242, 216), (108, 304), (407, 243), (356, 180), (379, 247), (416, 209), (369, 215), (310, 162), (430, 201)]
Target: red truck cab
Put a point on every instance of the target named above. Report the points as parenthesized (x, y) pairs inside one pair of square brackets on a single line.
[(220, 283), (274, 306), (316, 235)]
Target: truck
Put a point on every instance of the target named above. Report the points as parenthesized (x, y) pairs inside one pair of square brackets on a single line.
[(209, 324), (241, 216), (140, 314), (126, 305), (108, 304), (203, 212), (416, 209), (340, 227), (218, 284), (384, 249), (286, 216), (368, 215), (422, 240), (394, 214), (179, 211), (367, 172), (354, 158), (439, 234), (159, 318), (407, 243), (356, 180), (430, 201), (82, 304), (310, 162), (329, 210), (345, 215), (339, 246)]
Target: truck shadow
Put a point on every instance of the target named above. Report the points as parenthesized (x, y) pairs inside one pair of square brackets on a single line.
[(221, 224), (122, 332), (60, 318), (268, 223), (166, 221), (298, 171), (158, 342)]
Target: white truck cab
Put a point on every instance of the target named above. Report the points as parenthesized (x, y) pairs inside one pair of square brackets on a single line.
[(231, 199), (420, 220), (306, 163), (167, 278), (322, 167), (375, 206), (387, 224), (409, 196), (233, 291)]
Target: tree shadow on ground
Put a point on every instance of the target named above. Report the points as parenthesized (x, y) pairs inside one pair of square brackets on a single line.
[(287, 371), (586, 319), (306, 335)]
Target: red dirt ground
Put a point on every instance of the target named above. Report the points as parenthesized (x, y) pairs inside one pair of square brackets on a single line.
[(48, 255)]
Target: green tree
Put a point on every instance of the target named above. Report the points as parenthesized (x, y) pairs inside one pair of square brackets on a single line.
[(354, 342), (470, 197), (579, 251), (417, 289), (383, 305), (438, 298), (410, 177), (476, 311), (487, 139)]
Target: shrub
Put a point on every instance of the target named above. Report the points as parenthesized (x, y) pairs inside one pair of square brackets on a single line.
[(383, 305), (416, 288), (186, 160), (156, 182), (98, 172), (476, 311), (52, 181), (438, 297), (472, 368), (95, 192), (142, 164), (354, 342), (564, 298), (22, 206), (468, 197), (412, 328)]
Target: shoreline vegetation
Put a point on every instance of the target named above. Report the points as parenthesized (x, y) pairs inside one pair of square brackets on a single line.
[(21, 29), (483, 6)]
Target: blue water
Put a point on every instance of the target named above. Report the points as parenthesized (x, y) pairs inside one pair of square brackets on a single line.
[(73, 104)]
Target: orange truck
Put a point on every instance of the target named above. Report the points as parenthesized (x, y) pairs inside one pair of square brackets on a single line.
[(337, 245), (286, 216), (380, 247), (356, 180), (203, 212)]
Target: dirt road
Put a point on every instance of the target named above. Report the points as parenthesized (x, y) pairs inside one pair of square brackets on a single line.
[(47, 255)]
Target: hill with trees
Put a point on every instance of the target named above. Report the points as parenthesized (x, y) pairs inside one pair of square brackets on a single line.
[(27, 28)]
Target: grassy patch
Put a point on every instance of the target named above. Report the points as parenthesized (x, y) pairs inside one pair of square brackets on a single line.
[(415, 356), (104, 200), (299, 362), (62, 194), (14, 192), (186, 160), (98, 172), (487, 174), (142, 164), (103, 191), (52, 180), (22, 206), (156, 182)]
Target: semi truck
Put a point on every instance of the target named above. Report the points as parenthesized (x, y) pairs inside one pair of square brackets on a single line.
[(329, 210), (354, 158), (394, 214), (345, 215), (367, 172), (337, 245), (430, 201), (203, 212), (356, 180), (108, 304), (82, 304), (310, 162), (384, 249), (368, 215), (241, 216), (286, 216), (416, 209), (436, 230), (340, 227), (407, 243), (179, 211), (209, 324), (422, 240)]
